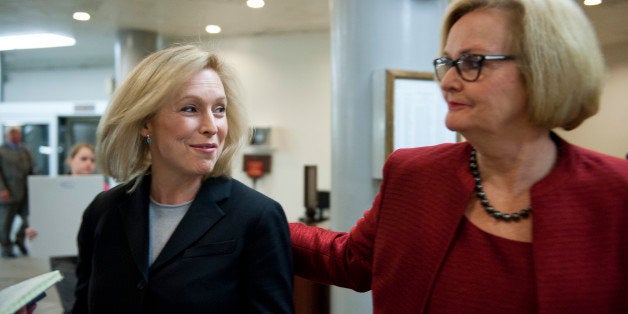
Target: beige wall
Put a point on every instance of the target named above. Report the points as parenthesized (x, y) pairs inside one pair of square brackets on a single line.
[(607, 131), (286, 86)]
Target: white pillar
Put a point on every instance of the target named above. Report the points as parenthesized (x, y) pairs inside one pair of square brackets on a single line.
[(368, 35), (130, 48), (2, 79)]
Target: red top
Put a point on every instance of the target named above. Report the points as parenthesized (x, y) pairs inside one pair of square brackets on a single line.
[(580, 232), (477, 265)]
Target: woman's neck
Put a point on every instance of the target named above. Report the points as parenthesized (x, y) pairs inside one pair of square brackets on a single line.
[(517, 163), (174, 190)]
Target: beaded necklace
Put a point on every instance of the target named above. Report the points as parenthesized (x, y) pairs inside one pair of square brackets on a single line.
[(481, 195)]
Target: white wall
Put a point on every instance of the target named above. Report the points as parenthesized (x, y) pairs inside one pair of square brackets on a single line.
[(58, 85), (286, 80), (285, 84), (606, 131)]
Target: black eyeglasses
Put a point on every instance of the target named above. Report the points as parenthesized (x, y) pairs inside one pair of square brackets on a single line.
[(467, 65)]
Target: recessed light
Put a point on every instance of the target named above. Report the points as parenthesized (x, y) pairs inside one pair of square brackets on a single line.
[(592, 2), (213, 29), (81, 16), (255, 4), (32, 41)]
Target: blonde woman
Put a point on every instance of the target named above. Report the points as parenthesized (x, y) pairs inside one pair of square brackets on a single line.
[(179, 235)]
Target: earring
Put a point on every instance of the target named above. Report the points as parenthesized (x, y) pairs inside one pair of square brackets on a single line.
[(148, 139)]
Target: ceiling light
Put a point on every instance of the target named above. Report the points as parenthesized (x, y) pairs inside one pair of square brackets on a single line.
[(592, 2), (81, 16), (255, 4), (213, 29), (32, 41)]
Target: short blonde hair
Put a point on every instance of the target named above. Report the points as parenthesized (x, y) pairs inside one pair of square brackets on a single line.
[(122, 153), (558, 55)]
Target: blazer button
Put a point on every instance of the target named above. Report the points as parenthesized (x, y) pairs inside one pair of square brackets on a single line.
[(141, 285)]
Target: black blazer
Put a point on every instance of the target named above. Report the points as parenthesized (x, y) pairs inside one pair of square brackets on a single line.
[(229, 254)]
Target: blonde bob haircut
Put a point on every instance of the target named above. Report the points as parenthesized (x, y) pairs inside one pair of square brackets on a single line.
[(558, 56), (123, 153)]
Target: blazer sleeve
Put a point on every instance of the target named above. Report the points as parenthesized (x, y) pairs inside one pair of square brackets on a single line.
[(83, 268), (268, 285), (31, 169), (339, 258), (335, 258), (3, 184)]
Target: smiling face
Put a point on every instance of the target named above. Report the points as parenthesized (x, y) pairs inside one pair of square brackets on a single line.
[(188, 135), (496, 102), (83, 162)]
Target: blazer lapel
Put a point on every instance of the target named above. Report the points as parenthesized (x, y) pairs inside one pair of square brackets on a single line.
[(202, 215), (134, 214), (453, 190)]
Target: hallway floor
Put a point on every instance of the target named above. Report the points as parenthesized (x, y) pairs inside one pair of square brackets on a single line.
[(14, 270)]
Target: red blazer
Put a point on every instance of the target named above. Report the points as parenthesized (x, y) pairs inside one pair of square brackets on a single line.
[(580, 232)]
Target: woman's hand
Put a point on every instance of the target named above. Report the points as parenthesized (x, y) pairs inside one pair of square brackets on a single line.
[(5, 196), (27, 309), (31, 233)]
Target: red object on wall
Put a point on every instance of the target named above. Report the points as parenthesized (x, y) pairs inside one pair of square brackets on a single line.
[(254, 168)]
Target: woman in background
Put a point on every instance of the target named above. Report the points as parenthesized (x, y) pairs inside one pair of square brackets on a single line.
[(179, 235), (82, 159)]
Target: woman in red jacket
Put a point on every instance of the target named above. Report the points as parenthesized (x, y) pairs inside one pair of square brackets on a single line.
[(515, 220)]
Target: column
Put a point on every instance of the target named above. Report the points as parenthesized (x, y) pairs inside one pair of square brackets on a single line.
[(2, 77), (130, 48), (368, 35)]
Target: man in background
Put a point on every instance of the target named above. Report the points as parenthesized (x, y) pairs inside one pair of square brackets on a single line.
[(16, 163)]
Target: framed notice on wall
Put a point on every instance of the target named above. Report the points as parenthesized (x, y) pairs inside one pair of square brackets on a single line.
[(408, 111)]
